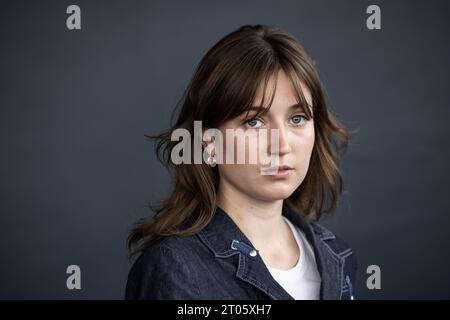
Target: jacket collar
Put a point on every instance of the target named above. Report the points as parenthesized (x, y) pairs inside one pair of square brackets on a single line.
[(224, 238)]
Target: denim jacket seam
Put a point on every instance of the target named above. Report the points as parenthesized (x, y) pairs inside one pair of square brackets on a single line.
[(346, 255), (335, 256), (342, 253), (342, 278), (341, 261), (347, 252)]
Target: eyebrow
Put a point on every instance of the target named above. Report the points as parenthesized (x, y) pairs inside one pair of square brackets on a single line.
[(294, 106)]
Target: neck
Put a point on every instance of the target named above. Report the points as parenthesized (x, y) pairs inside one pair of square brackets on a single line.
[(261, 221)]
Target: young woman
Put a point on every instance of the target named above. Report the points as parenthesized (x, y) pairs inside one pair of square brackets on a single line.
[(230, 230)]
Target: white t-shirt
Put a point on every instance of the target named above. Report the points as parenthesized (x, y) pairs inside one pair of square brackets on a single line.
[(302, 281)]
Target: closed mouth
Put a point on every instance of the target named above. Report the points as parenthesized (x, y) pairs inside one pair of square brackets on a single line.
[(275, 170), (284, 167)]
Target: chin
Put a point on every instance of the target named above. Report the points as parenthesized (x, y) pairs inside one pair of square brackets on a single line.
[(278, 193)]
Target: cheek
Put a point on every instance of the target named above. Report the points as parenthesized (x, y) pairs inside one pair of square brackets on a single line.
[(241, 177), (240, 151), (236, 172), (309, 143), (304, 144)]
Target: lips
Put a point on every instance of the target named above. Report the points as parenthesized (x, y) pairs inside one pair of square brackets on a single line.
[(276, 170), (284, 167)]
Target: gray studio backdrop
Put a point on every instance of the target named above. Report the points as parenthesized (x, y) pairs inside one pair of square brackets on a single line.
[(77, 171)]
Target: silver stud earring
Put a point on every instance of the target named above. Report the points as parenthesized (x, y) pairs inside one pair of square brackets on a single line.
[(211, 160)]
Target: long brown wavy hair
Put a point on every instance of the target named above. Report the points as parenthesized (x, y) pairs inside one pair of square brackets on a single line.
[(223, 87)]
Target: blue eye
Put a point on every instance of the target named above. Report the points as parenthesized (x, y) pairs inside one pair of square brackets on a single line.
[(253, 123), (297, 120)]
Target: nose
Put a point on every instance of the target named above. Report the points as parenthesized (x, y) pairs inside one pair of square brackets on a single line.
[(278, 140)]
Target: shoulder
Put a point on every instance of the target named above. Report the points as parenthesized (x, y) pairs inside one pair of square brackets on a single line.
[(170, 248), (164, 270)]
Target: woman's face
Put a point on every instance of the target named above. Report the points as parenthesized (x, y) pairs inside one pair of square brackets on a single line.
[(295, 144)]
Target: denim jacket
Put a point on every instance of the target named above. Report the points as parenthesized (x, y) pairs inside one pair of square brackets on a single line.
[(220, 262)]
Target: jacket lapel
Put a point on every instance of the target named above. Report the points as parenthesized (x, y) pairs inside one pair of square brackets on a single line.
[(222, 231)]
